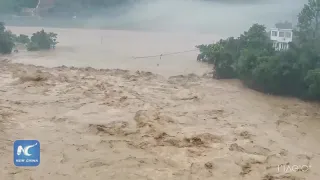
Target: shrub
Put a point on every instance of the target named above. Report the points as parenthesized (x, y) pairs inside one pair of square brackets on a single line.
[(312, 80), (24, 39), (6, 40), (39, 40), (32, 47), (2, 27), (42, 41)]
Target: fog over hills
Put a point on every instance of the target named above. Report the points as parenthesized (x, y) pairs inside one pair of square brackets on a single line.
[(199, 16), (223, 18)]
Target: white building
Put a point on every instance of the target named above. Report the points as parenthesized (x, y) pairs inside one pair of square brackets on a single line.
[(281, 38)]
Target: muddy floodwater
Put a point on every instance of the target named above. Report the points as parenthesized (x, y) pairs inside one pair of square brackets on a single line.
[(112, 116), (118, 49)]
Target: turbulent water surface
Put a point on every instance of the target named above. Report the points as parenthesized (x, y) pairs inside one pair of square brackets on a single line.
[(114, 121)]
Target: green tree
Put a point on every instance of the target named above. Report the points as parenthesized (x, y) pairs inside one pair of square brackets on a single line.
[(2, 27), (22, 38), (6, 40), (312, 80), (42, 41), (308, 22), (252, 59)]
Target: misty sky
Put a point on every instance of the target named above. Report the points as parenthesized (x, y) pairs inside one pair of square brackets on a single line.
[(199, 16)]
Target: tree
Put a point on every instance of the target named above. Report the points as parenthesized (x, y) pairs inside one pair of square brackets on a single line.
[(257, 38), (42, 41), (221, 56), (22, 38), (233, 55), (39, 40), (308, 22), (6, 40), (313, 83), (252, 59), (2, 27)]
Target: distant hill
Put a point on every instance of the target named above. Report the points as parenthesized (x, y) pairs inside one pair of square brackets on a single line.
[(58, 6)]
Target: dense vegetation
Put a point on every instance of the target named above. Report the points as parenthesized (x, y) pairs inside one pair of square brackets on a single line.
[(42, 41), (252, 59), (38, 41), (6, 40)]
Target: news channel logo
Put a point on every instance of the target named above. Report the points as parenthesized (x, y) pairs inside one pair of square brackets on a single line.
[(26, 153)]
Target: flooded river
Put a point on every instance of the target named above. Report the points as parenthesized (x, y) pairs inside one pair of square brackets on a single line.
[(110, 123)]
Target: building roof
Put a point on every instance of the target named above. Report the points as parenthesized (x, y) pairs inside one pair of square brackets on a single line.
[(278, 29)]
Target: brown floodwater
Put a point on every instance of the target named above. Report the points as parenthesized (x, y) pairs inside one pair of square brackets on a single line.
[(115, 124), (117, 49)]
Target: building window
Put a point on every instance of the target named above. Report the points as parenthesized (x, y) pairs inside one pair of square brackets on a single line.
[(288, 34), (274, 33), (281, 34)]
